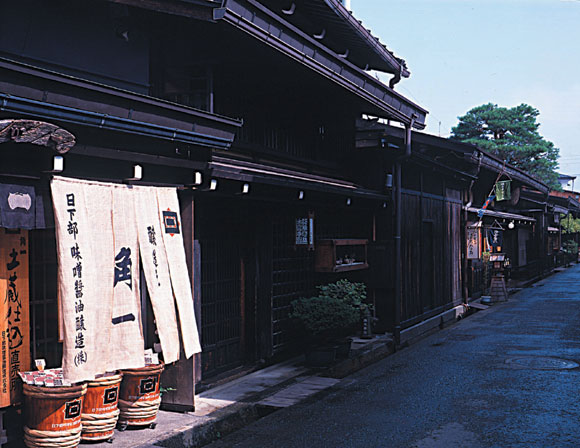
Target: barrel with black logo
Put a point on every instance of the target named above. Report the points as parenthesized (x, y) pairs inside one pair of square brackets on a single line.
[(140, 396), (100, 407), (53, 415)]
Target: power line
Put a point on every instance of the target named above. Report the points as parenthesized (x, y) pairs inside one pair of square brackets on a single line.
[(414, 98)]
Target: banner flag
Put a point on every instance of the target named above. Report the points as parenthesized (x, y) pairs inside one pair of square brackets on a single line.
[(126, 350), (83, 224), (155, 266), (494, 237), (485, 205), (102, 231), (173, 239)]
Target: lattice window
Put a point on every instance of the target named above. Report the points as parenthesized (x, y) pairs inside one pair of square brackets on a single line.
[(43, 298), (292, 278), (220, 305)]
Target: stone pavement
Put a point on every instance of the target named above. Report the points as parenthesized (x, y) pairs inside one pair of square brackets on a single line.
[(235, 404), (506, 377)]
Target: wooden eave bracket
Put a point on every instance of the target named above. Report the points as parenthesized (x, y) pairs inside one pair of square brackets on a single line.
[(36, 133)]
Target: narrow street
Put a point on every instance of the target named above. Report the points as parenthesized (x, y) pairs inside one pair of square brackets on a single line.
[(504, 377)]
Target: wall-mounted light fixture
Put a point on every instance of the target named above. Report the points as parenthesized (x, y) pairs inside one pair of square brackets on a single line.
[(245, 188), (301, 195), (197, 178), (213, 184), (57, 164), (389, 180), (137, 173), (348, 201), (512, 224)]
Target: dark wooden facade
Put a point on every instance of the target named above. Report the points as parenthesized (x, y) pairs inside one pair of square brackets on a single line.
[(151, 84), (252, 269), (432, 196), (444, 184)]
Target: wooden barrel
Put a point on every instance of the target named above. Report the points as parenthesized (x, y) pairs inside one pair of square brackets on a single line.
[(100, 408), (53, 415), (140, 397)]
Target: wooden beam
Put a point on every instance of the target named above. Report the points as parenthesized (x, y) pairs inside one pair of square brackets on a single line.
[(36, 133), (201, 11)]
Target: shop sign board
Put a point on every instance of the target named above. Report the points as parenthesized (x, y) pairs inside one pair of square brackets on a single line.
[(305, 231), (14, 313), (472, 243), (503, 190)]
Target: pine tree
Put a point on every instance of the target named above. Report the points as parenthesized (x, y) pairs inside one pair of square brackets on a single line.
[(511, 134)]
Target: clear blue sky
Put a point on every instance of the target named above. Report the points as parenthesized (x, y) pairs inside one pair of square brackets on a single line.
[(463, 53)]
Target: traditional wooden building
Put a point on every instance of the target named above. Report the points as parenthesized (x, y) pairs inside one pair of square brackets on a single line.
[(562, 206), (140, 93), (421, 276), (442, 221)]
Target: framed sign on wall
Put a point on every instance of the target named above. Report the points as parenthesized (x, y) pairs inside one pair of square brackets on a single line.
[(305, 231)]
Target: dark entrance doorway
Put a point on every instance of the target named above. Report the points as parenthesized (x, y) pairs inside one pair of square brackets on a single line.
[(219, 231)]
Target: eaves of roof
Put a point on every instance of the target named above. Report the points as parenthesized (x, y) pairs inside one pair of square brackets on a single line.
[(392, 64), (500, 214), (471, 153), (500, 166), (43, 110), (534, 197), (336, 27), (566, 203), (243, 171), (261, 23)]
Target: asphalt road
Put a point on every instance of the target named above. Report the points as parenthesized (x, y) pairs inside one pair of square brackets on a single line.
[(506, 377)]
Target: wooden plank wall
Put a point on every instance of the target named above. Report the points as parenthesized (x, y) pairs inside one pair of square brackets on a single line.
[(431, 255), (454, 224)]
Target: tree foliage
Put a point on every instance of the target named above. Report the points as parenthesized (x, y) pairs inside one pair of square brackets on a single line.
[(569, 224), (511, 134)]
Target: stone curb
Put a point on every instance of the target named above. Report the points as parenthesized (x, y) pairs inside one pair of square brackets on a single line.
[(222, 423), (368, 356)]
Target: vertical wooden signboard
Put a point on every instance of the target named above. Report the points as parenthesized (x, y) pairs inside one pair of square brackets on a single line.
[(472, 243), (14, 313)]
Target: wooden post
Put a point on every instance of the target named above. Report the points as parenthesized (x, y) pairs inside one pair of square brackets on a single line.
[(264, 244), (181, 376)]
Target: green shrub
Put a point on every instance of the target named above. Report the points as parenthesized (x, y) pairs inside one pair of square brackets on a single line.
[(571, 246), (352, 293), (335, 312)]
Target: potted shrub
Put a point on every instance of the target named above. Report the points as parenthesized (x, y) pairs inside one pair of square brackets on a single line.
[(324, 321)]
